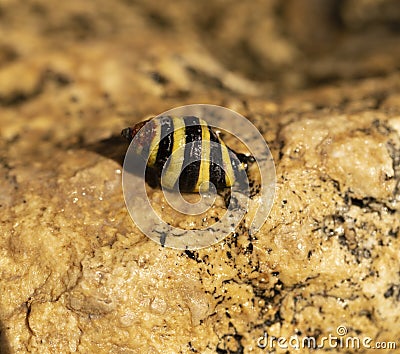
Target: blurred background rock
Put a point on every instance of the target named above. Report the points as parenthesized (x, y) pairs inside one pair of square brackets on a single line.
[(107, 56), (284, 45)]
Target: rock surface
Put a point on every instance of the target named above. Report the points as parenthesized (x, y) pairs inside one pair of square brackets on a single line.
[(76, 273)]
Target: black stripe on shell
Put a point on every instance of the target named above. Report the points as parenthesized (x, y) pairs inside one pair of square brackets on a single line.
[(217, 173), (238, 171), (166, 144), (192, 156)]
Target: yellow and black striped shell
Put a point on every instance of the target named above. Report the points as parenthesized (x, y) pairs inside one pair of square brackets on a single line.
[(185, 152)]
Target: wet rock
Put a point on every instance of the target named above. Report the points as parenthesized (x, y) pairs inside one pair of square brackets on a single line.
[(77, 275)]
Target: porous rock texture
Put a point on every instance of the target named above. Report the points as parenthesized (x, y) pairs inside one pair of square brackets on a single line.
[(320, 82)]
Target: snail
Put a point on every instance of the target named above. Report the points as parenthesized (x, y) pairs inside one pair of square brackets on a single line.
[(185, 153)]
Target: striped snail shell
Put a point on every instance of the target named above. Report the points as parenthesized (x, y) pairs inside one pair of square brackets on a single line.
[(185, 153)]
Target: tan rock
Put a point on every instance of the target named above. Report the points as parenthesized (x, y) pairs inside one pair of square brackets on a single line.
[(77, 275)]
